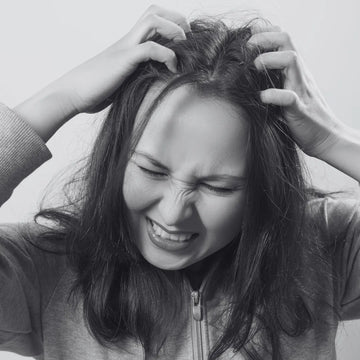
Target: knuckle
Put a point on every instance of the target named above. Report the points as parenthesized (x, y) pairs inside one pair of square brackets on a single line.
[(153, 8), (292, 97), (184, 20), (150, 45), (147, 47), (286, 37), (151, 19), (293, 57)]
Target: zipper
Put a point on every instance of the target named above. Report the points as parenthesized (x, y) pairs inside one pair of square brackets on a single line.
[(199, 340), (197, 315)]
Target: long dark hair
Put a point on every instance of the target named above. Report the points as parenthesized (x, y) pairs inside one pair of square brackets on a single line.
[(260, 270)]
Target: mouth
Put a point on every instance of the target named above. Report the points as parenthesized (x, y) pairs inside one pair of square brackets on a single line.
[(169, 240)]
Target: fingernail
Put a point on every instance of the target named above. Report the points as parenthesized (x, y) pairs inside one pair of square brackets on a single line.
[(187, 27), (259, 64), (173, 68), (180, 37)]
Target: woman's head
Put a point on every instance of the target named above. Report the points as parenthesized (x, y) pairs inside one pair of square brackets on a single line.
[(187, 175), (205, 120), (158, 157)]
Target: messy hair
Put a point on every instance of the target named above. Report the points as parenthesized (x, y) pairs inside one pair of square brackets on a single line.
[(259, 272)]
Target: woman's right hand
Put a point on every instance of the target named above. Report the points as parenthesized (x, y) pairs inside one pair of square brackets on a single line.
[(87, 87), (91, 83)]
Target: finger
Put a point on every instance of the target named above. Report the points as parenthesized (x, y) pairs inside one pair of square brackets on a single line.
[(153, 24), (284, 60), (170, 15), (151, 50), (259, 27), (276, 60), (280, 97), (272, 40)]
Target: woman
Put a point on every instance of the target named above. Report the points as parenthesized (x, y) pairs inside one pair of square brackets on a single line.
[(192, 234)]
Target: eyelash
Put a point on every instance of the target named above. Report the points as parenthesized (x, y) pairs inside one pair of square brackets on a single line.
[(218, 190), (151, 173), (214, 189)]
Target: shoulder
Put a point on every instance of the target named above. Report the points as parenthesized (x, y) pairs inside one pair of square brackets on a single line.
[(33, 256), (336, 221), (335, 213), (29, 277), (30, 237)]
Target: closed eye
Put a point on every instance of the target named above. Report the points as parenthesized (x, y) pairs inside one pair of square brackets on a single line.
[(151, 172), (213, 189), (219, 190)]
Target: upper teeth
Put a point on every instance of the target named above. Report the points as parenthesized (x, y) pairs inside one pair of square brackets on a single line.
[(162, 233)]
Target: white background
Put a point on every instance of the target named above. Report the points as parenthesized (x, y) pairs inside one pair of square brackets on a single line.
[(42, 39)]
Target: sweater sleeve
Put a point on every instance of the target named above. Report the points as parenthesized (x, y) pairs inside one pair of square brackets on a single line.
[(21, 151), (343, 219), (20, 329), (23, 292)]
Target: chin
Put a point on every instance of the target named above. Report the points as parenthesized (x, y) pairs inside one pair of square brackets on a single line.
[(168, 265)]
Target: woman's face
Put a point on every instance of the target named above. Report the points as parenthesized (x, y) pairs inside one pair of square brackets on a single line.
[(185, 184)]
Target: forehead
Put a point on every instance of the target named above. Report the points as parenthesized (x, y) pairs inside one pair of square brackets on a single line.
[(195, 133)]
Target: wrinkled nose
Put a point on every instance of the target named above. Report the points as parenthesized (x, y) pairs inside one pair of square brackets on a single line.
[(176, 206)]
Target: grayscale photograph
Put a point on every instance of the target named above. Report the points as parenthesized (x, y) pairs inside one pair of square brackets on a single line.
[(180, 180)]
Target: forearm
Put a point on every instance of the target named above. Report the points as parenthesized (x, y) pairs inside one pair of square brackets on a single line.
[(46, 111), (21, 151), (345, 154)]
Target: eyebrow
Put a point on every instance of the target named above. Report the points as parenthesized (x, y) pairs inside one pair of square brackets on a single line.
[(214, 177)]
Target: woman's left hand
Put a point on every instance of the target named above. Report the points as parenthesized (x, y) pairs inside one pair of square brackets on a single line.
[(313, 125)]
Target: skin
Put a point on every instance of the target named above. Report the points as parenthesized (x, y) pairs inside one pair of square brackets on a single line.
[(194, 137), (87, 88), (315, 128)]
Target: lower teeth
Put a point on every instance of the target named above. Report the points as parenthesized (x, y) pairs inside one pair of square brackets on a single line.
[(166, 238)]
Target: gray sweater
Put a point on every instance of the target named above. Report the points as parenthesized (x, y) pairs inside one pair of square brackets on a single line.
[(36, 319)]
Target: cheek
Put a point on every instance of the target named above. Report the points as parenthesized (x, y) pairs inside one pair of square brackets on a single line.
[(136, 190), (224, 216)]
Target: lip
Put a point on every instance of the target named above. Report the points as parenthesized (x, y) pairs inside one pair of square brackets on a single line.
[(170, 231), (168, 244)]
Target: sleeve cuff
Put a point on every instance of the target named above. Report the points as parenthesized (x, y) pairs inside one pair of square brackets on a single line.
[(22, 151)]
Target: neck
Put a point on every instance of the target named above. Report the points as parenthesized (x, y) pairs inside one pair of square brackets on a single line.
[(197, 272)]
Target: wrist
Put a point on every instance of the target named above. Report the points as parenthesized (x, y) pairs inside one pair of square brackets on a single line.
[(344, 153), (46, 111)]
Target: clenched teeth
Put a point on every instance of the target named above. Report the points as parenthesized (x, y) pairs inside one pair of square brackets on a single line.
[(162, 233)]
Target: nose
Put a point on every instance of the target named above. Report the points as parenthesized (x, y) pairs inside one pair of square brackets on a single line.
[(176, 205)]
